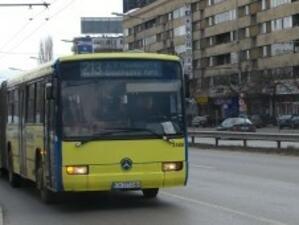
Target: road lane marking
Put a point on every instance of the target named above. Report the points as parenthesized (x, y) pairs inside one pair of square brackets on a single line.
[(1, 216), (223, 208), (202, 166)]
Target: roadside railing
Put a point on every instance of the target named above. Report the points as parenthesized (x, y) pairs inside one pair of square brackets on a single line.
[(244, 136)]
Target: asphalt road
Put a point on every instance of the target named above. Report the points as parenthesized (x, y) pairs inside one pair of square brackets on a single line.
[(225, 188)]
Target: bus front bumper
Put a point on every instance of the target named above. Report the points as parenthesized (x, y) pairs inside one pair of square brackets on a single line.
[(104, 177)]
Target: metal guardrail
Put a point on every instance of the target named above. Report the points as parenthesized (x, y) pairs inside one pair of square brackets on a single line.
[(244, 136)]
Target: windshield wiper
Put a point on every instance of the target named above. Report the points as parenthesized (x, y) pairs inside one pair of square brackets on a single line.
[(164, 137), (100, 135)]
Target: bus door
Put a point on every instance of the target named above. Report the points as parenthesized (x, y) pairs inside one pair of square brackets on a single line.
[(22, 131), (49, 132)]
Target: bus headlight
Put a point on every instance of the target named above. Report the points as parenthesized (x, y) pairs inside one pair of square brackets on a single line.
[(172, 166), (77, 170)]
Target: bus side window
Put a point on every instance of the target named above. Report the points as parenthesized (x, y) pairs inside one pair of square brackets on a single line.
[(30, 103), (10, 107), (40, 103), (16, 107)]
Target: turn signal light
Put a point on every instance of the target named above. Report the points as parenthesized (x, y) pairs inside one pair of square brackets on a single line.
[(77, 170), (172, 166)]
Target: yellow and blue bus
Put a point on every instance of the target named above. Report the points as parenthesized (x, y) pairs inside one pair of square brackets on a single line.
[(96, 122)]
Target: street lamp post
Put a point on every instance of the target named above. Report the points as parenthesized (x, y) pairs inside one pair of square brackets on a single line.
[(16, 69), (30, 5), (74, 48)]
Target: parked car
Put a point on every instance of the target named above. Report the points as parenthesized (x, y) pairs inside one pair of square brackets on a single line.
[(284, 121), (295, 121), (257, 121), (200, 121), (240, 124)]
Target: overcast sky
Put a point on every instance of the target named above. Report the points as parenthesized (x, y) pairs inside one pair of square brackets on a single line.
[(20, 36)]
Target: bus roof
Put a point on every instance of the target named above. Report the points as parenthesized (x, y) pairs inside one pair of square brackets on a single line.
[(120, 55), (47, 68)]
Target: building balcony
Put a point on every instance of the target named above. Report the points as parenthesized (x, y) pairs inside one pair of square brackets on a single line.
[(278, 12), (224, 6), (228, 47), (278, 61), (227, 26), (285, 35), (221, 70)]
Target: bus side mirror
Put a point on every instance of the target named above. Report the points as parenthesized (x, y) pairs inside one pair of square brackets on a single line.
[(49, 91)]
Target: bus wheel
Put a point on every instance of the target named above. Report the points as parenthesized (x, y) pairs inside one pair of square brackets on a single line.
[(13, 179), (150, 193), (2, 172), (46, 195)]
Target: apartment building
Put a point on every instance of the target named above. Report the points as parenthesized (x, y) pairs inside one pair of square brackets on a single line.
[(133, 4), (242, 56)]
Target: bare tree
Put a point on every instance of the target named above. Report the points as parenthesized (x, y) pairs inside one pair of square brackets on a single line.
[(45, 50)]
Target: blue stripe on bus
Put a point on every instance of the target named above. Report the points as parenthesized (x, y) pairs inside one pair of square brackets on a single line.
[(58, 163), (186, 158), (57, 146)]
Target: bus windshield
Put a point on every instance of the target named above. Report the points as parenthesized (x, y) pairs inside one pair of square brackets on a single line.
[(122, 107)]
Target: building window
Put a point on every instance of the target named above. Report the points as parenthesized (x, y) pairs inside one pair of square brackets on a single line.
[(247, 54), (232, 35), (211, 61), (264, 5), (247, 10), (234, 57), (282, 48), (282, 23), (181, 12), (265, 51), (247, 32), (275, 3), (276, 24), (180, 49), (210, 21), (126, 32), (263, 28), (180, 31), (211, 43), (150, 40), (196, 44), (288, 22), (195, 6), (225, 16)]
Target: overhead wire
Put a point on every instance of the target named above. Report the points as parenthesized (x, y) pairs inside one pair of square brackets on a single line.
[(38, 28), (16, 34)]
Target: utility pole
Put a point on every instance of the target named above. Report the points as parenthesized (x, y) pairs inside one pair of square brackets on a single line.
[(30, 5)]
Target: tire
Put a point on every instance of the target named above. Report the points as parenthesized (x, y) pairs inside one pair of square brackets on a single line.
[(46, 195), (13, 179), (2, 172), (150, 193)]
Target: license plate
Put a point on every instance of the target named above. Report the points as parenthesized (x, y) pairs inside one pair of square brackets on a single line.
[(126, 185)]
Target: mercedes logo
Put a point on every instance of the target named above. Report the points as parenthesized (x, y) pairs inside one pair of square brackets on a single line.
[(126, 164)]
